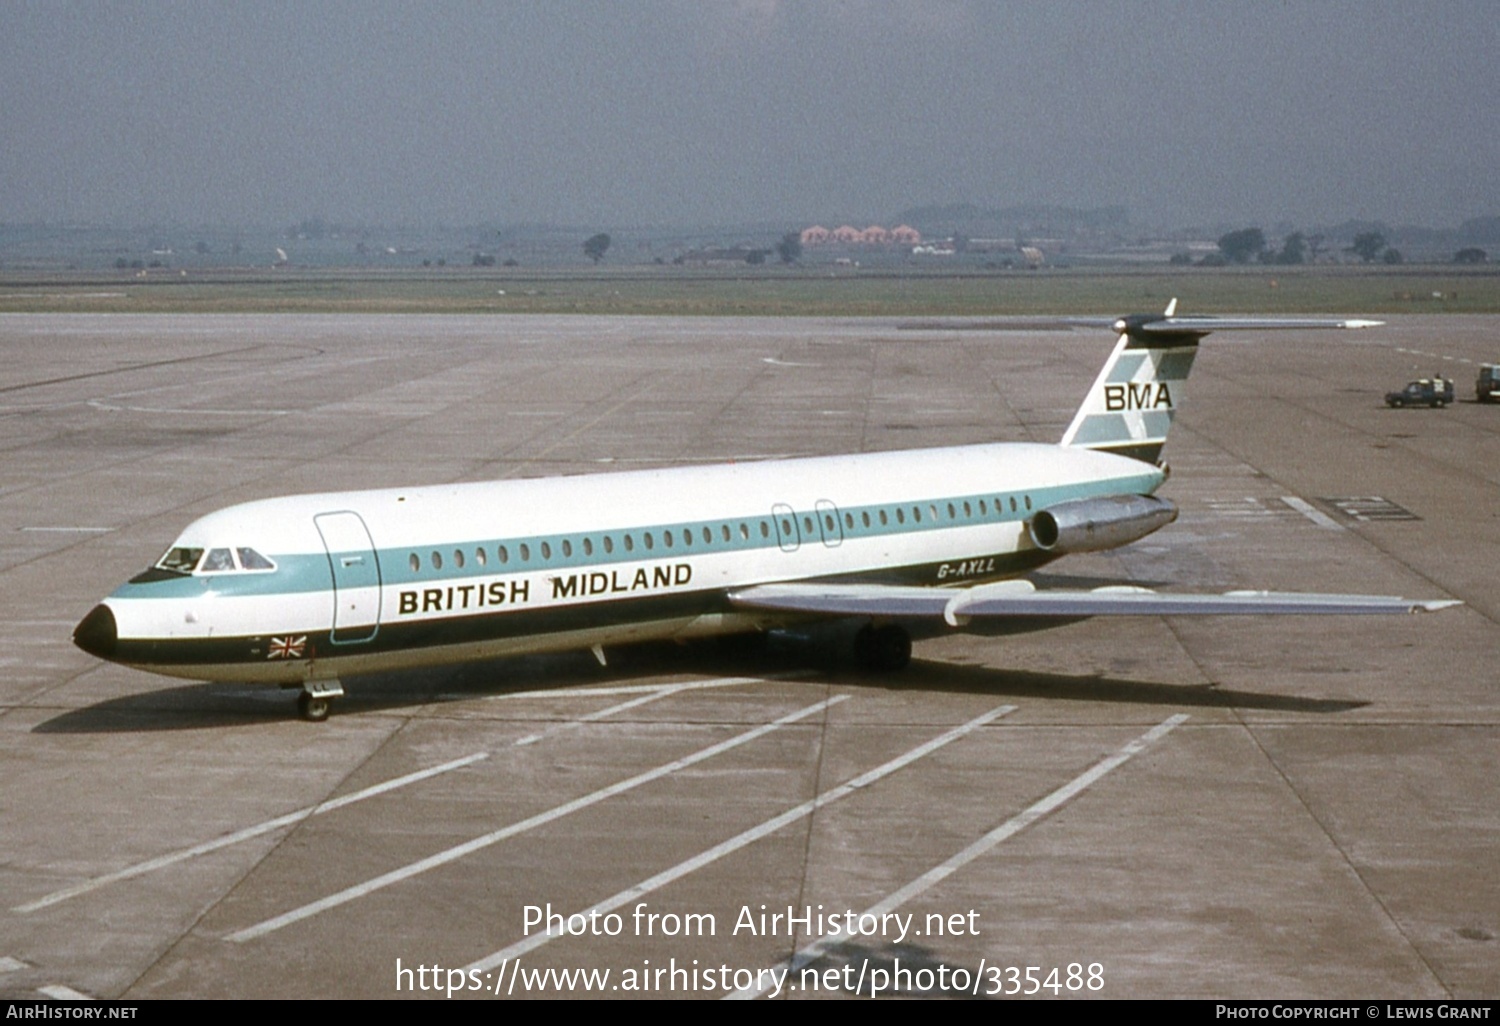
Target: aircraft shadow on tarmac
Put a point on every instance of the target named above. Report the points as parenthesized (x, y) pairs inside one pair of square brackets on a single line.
[(820, 653)]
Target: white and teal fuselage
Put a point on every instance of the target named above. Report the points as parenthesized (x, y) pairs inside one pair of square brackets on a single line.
[(375, 580)]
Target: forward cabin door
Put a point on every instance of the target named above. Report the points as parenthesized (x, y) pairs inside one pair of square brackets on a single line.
[(356, 576)]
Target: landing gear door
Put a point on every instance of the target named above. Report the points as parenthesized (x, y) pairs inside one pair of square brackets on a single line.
[(356, 576)]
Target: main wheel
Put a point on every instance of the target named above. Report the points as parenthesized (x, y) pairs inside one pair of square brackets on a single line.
[(315, 710), (882, 649)]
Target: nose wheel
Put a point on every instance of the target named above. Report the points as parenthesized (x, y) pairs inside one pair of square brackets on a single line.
[(316, 700)]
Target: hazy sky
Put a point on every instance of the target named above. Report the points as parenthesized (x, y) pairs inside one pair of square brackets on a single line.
[(671, 112)]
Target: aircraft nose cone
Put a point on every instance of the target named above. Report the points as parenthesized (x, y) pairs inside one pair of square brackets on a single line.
[(96, 633)]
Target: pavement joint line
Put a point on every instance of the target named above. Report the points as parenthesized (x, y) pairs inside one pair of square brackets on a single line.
[(744, 838), (1008, 829), (1312, 513), (456, 852), (172, 858)]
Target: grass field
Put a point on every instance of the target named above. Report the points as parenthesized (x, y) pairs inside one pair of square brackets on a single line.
[(766, 291)]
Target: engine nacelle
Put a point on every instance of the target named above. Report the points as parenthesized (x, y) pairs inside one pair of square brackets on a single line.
[(1091, 525)]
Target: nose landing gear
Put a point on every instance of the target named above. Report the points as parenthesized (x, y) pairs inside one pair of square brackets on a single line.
[(316, 700)]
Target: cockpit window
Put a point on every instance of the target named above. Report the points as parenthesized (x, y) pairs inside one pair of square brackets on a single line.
[(217, 561), (252, 560), (185, 560), (180, 560)]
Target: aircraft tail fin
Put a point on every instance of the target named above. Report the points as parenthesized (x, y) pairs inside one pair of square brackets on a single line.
[(1135, 398)]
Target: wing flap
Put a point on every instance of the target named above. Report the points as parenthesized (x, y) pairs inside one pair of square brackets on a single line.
[(1020, 598)]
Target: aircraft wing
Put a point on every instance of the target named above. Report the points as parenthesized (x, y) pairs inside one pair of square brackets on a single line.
[(957, 606)]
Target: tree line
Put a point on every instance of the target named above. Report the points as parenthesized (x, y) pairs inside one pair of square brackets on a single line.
[(1249, 246)]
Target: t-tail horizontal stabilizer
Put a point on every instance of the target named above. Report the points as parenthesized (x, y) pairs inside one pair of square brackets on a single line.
[(1132, 403)]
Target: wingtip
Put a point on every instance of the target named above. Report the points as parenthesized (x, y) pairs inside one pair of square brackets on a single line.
[(1433, 605)]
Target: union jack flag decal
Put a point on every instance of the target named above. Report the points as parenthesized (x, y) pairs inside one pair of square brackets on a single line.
[(287, 648)]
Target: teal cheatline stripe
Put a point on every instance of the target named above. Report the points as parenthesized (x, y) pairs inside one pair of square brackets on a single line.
[(312, 573), (293, 574), (1125, 367)]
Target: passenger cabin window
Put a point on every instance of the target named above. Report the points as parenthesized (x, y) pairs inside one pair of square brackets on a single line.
[(437, 560), (415, 561)]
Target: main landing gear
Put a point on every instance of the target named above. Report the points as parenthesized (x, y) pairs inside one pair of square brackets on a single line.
[(882, 649), (316, 700)]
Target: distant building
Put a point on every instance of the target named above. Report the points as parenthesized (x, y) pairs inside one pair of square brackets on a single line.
[(848, 235)]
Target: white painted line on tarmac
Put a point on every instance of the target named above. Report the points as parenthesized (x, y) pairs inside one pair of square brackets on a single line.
[(58, 992), (653, 692), (69, 530), (172, 858), (1005, 830), (107, 407), (442, 858), (625, 689), (1312, 513), (739, 841), (10, 965), (652, 696)]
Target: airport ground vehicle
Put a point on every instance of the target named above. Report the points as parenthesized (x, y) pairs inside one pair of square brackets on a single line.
[(1435, 392), (1487, 385)]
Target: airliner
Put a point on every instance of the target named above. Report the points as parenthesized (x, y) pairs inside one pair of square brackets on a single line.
[(305, 591)]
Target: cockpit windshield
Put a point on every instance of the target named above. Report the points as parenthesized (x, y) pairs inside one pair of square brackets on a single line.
[(180, 560), (183, 559), (252, 560)]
